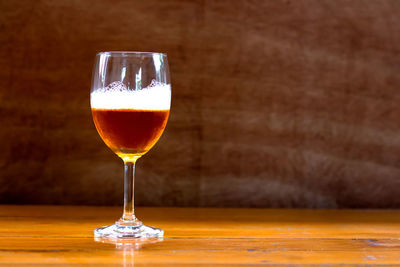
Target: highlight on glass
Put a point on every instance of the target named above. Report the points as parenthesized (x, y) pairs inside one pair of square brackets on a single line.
[(130, 101)]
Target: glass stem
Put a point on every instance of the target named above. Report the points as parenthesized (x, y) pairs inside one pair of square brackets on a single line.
[(128, 217)]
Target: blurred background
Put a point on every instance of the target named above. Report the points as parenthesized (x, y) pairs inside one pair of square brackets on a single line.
[(275, 103)]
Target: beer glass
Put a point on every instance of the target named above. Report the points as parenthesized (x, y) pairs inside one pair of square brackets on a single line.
[(130, 101)]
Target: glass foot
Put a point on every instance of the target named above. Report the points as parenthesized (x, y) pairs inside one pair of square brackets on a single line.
[(117, 231)]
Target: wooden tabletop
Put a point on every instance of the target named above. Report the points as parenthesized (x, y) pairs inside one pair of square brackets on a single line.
[(63, 235)]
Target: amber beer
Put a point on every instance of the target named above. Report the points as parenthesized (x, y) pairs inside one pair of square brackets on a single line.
[(130, 131)]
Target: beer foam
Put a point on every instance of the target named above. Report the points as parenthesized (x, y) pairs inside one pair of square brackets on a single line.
[(157, 96)]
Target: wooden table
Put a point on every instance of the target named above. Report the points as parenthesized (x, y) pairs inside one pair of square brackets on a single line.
[(63, 235)]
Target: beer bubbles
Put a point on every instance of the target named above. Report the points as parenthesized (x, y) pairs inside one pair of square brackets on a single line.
[(156, 96)]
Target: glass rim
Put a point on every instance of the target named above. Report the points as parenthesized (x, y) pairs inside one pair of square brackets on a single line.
[(127, 53)]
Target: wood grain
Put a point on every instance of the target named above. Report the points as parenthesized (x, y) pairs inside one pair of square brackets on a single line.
[(275, 103), (58, 236)]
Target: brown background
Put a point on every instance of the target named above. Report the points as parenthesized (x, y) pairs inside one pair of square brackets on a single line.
[(275, 103)]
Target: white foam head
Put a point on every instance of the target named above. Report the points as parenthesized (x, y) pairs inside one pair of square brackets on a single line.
[(157, 96)]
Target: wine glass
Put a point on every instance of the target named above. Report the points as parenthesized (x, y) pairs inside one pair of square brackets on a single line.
[(130, 101)]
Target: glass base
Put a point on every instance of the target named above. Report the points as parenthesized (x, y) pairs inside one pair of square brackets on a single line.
[(126, 232)]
